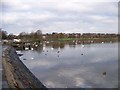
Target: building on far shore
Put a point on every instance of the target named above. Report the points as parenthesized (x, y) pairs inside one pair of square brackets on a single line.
[(16, 40)]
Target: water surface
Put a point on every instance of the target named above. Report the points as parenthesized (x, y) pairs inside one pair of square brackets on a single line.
[(74, 65)]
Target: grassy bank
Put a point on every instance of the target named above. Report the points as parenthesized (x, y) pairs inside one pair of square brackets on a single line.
[(82, 39)]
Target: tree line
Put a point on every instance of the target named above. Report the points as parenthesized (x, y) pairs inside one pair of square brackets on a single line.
[(33, 36), (38, 36)]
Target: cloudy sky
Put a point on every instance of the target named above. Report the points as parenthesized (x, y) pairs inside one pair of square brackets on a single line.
[(59, 16)]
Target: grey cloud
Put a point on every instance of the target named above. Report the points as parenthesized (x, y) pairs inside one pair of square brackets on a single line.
[(47, 16)]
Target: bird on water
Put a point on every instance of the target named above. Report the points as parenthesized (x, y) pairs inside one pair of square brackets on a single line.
[(104, 73)]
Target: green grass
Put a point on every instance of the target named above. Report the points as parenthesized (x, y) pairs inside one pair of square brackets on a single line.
[(66, 39)]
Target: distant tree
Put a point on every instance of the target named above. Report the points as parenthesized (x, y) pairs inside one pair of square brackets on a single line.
[(0, 33), (54, 33), (54, 36), (3, 34), (38, 35), (61, 35), (39, 32), (33, 36), (11, 36), (23, 36)]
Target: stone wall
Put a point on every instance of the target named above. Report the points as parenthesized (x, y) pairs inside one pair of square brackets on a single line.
[(17, 74)]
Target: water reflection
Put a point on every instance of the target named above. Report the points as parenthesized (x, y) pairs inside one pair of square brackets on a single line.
[(54, 44), (71, 69)]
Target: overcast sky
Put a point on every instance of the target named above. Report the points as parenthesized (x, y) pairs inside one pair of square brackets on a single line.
[(60, 16)]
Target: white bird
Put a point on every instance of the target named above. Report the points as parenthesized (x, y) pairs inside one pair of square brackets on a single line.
[(52, 48), (26, 48), (44, 48), (32, 49), (82, 46), (47, 42), (32, 58), (36, 45), (18, 51)]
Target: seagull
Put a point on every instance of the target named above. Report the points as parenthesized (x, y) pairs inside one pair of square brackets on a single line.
[(32, 58)]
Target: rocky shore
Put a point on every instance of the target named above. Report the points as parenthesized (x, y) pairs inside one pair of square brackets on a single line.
[(17, 74)]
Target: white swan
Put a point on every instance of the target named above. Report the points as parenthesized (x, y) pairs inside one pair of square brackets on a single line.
[(32, 49), (52, 48), (26, 48)]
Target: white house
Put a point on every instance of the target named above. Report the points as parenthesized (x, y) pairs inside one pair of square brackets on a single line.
[(16, 40)]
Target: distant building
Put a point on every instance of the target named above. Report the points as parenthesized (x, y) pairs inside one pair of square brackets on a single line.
[(44, 37), (5, 41), (16, 40)]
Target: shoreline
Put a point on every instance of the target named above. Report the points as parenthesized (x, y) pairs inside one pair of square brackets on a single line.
[(17, 74)]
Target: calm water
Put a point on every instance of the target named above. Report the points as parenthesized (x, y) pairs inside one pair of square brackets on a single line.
[(75, 65)]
